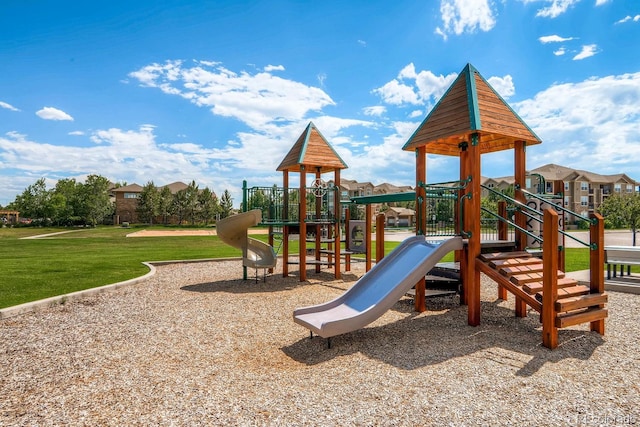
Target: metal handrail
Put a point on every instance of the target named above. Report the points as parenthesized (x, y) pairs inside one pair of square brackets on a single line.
[(514, 225), (559, 207), (519, 204)]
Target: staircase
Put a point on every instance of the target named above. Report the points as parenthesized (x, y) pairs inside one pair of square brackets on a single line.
[(522, 274)]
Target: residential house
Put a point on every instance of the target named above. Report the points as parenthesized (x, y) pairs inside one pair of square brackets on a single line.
[(126, 200), (399, 217)]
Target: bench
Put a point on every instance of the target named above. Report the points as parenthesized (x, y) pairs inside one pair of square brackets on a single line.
[(621, 255)]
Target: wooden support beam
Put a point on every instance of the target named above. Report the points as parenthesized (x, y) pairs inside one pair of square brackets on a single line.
[(302, 203), (550, 281), (318, 227), (379, 237), (367, 235), (520, 173), (421, 178), (285, 229), (472, 226), (596, 265), (336, 216)]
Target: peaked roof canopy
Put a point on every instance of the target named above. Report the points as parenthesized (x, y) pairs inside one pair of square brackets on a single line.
[(313, 151), (470, 105)]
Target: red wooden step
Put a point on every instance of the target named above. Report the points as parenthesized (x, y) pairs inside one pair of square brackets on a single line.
[(574, 303), (568, 292), (533, 288), (521, 279), (503, 255), (513, 261), (571, 318), (521, 269)]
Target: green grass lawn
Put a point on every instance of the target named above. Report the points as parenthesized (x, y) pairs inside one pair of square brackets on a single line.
[(40, 268)]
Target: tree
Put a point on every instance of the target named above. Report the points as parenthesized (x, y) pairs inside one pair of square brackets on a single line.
[(622, 211), (180, 205), (34, 202), (191, 202), (148, 203), (226, 204), (165, 204), (96, 205), (208, 205), (67, 199)]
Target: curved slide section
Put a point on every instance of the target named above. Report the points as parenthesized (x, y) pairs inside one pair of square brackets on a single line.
[(233, 231), (378, 290)]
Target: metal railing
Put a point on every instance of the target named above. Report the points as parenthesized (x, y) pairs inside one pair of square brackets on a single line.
[(281, 205)]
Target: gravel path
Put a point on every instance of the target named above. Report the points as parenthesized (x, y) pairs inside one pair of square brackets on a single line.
[(194, 345)]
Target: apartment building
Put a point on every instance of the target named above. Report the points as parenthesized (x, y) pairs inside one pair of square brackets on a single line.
[(583, 191)]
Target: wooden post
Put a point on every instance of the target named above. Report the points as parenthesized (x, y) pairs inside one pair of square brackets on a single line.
[(421, 178), (285, 228), (271, 244), (420, 304), (596, 264), (520, 174), (502, 235), (549, 279), (379, 237), (520, 183), (347, 239), (461, 256), (472, 226), (318, 226), (302, 202), (558, 188), (336, 217), (367, 236)]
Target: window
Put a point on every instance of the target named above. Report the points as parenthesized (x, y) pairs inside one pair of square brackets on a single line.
[(629, 188), (584, 200), (566, 200), (566, 186), (584, 186), (549, 188), (617, 188), (130, 195)]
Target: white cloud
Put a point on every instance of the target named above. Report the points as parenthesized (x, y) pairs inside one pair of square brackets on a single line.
[(586, 52), (554, 8), (50, 113), (601, 2), (560, 52), (397, 93), (362, 43), (76, 133), (465, 16), (554, 39), (8, 106), (628, 18), (416, 113), (376, 110), (503, 85), (269, 68), (258, 100), (591, 125)]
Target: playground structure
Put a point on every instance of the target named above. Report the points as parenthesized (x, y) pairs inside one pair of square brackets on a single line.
[(470, 120)]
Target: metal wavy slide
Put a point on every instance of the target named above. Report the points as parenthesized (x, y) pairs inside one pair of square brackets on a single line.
[(233, 231), (378, 290)]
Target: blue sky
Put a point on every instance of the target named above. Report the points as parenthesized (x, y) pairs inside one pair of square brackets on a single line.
[(219, 91)]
